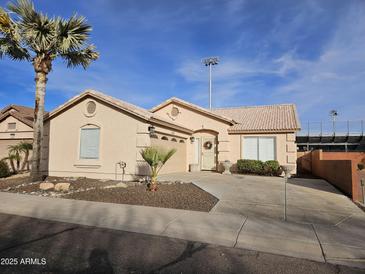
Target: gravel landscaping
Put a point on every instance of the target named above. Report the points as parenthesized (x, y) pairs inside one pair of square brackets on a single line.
[(169, 195), (176, 195)]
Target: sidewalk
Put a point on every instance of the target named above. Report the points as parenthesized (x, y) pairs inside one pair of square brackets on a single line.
[(341, 244)]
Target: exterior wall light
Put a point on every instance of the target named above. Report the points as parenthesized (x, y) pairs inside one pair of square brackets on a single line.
[(152, 130), (192, 139)]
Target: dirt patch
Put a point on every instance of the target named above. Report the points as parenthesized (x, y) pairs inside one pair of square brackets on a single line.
[(178, 196), (13, 182), (81, 182)]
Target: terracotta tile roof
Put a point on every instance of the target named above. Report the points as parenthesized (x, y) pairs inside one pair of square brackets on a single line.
[(262, 118), (22, 113), (194, 107)]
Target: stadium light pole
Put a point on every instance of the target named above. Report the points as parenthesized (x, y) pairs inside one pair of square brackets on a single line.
[(210, 61)]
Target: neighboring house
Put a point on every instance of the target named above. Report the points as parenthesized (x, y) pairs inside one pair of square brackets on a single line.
[(91, 134), (16, 125)]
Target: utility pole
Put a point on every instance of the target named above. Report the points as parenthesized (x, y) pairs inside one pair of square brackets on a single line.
[(210, 61)]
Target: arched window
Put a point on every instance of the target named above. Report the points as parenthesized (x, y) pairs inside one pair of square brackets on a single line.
[(182, 141), (173, 140), (89, 142), (164, 138)]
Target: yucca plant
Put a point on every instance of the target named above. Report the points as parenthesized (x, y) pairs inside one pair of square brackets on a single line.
[(156, 157), (26, 34)]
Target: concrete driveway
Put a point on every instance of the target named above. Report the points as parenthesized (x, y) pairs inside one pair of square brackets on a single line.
[(310, 201), (316, 213)]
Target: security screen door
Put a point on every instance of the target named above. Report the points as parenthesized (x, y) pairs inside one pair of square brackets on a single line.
[(208, 147)]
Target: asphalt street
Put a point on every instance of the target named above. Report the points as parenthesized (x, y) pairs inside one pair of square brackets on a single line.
[(29, 245)]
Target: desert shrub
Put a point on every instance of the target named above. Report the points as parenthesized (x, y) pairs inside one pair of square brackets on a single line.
[(269, 168), (4, 169), (250, 166), (272, 168)]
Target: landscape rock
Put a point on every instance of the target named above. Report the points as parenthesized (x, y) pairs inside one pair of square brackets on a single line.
[(111, 186), (62, 187), (46, 186), (123, 185)]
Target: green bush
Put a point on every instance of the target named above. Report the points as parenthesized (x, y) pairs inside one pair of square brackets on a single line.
[(269, 168), (272, 168), (250, 166), (4, 169)]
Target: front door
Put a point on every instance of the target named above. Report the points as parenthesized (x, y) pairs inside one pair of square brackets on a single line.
[(208, 148)]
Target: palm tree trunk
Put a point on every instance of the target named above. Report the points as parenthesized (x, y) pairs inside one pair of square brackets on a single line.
[(26, 158), (17, 165), (40, 80), (12, 165)]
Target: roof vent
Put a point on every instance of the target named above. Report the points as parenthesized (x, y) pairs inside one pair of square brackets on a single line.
[(91, 107)]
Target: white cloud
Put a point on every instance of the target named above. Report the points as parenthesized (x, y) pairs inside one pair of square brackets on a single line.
[(336, 78)]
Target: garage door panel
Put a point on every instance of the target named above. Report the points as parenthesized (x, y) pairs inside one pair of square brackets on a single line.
[(177, 163)]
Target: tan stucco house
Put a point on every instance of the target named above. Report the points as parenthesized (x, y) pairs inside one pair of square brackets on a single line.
[(92, 134), (16, 125)]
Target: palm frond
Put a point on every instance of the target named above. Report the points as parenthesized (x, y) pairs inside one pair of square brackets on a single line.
[(166, 155), (40, 33), (157, 156), (151, 156), (24, 146), (23, 31), (24, 9), (10, 42), (37, 29), (81, 57), (12, 49), (5, 21), (72, 33)]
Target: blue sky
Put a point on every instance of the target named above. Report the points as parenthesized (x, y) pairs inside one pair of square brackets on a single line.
[(311, 53)]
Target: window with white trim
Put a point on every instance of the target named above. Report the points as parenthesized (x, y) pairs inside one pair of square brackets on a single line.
[(89, 142), (259, 148)]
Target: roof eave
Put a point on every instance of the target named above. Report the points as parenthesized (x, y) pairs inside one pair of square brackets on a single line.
[(16, 116), (157, 121), (96, 96), (266, 131), (191, 106)]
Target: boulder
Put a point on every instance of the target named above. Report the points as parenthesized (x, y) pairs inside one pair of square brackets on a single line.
[(111, 186), (62, 187), (123, 185), (46, 186)]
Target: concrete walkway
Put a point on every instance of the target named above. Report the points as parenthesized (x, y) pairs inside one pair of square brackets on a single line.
[(343, 243)]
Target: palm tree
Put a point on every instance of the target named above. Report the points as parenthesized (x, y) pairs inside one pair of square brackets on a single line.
[(25, 148), (11, 158), (15, 152), (156, 158), (26, 34)]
